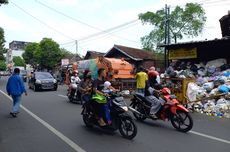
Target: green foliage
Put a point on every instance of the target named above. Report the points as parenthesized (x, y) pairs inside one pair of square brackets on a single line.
[(2, 66), (18, 61), (46, 54), (50, 53), (188, 21), (3, 2), (30, 55), (66, 53), (2, 46)]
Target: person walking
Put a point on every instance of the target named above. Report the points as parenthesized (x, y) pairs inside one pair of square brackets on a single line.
[(141, 78), (15, 88)]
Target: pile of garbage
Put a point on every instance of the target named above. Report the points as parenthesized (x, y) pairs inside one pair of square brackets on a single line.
[(210, 93)]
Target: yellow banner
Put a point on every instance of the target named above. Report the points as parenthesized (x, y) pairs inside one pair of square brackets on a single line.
[(183, 53)]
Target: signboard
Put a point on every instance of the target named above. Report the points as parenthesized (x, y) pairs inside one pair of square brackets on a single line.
[(183, 53), (64, 62)]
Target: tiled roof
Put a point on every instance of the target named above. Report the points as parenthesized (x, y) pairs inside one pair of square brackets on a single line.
[(93, 54), (134, 52)]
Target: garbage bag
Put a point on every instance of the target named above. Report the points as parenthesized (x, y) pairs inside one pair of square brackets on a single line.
[(216, 63), (208, 86), (201, 71), (211, 69), (225, 67), (226, 74), (192, 91), (223, 89), (214, 91)]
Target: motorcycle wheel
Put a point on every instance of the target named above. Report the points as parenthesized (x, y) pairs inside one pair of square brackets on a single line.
[(86, 119), (127, 128), (70, 98), (139, 109), (182, 121)]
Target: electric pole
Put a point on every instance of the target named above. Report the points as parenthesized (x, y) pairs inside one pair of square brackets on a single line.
[(167, 33), (76, 42)]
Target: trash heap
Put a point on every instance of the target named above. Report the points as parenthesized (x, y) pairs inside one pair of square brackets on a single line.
[(209, 94)]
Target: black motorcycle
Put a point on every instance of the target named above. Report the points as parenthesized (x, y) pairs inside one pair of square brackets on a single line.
[(118, 112)]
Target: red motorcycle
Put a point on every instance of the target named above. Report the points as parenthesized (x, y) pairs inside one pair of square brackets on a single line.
[(171, 110)]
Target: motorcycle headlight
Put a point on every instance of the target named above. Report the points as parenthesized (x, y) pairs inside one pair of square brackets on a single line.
[(38, 81), (125, 108)]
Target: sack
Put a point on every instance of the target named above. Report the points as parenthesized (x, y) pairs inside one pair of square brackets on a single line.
[(99, 98)]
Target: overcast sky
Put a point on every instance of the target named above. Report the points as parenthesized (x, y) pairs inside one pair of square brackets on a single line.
[(32, 20)]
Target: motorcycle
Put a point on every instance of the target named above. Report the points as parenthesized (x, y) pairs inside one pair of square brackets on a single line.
[(74, 94), (120, 119), (171, 110)]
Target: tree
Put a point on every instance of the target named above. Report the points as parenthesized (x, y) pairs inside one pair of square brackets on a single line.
[(66, 53), (2, 45), (45, 54), (3, 2), (188, 21), (49, 54), (2, 66), (30, 55), (18, 61)]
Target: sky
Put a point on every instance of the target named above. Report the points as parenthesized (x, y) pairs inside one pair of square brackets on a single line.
[(68, 21)]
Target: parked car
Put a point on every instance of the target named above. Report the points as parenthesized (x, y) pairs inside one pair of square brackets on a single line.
[(23, 74), (42, 81)]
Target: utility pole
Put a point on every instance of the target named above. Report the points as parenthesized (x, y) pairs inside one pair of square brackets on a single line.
[(76, 42), (168, 23), (166, 36)]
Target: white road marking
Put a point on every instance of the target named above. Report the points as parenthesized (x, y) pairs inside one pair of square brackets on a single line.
[(52, 129), (193, 132), (60, 95), (210, 137)]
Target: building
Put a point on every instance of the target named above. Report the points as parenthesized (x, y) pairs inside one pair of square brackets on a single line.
[(16, 48), (225, 25), (137, 57), (93, 55), (199, 51)]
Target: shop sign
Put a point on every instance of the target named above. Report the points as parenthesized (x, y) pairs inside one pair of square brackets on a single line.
[(183, 53), (64, 62)]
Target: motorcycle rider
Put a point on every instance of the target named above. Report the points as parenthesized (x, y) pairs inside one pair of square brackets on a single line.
[(85, 86), (108, 88), (74, 81), (151, 93), (98, 85)]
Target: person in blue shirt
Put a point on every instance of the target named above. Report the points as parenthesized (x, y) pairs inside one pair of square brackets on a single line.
[(15, 88)]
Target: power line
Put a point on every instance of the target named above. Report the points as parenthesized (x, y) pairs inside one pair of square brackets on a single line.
[(89, 38), (41, 21), (96, 34), (59, 12), (79, 21), (105, 32), (108, 30)]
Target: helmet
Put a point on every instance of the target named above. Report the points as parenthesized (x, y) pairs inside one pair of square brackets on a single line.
[(107, 84), (166, 91), (153, 73)]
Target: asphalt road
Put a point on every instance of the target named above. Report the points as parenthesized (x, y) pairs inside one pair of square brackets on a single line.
[(48, 122)]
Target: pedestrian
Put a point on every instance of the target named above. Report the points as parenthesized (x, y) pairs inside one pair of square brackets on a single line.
[(15, 88), (141, 78)]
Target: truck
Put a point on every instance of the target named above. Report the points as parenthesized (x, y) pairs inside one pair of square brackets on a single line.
[(119, 71)]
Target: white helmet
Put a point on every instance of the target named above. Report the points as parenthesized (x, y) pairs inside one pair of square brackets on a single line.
[(107, 84)]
